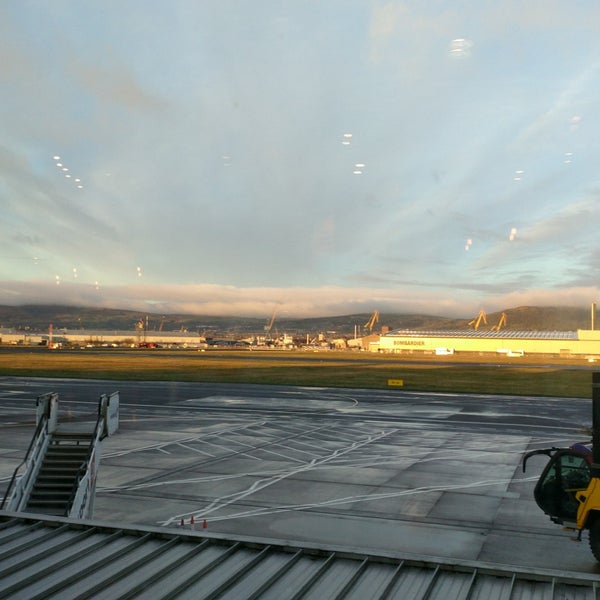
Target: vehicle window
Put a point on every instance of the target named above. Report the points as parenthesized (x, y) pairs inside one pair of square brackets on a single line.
[(566, 474)]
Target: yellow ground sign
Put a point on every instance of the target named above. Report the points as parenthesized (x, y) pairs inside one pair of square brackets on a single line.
[(396, 382)]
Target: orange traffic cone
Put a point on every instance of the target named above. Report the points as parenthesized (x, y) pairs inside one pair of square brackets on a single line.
[(192, 520), (204, 525)]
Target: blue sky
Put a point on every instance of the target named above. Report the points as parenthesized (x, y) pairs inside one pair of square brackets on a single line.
[(328, 157)]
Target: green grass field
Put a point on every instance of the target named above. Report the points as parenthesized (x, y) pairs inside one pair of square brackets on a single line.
[(331, 369)]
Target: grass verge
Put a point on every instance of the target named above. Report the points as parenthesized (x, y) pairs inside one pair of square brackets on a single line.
[(326, 370)]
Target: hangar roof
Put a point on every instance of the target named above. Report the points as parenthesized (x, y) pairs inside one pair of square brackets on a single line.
[(472, 333), (52, 557)]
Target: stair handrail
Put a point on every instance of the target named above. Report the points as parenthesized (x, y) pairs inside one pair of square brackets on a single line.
[(40, 426), (99, 433), (43, 419), (82, 471)]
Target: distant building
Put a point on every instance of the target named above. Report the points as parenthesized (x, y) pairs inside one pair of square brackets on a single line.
[(581, 343), (100, 337)]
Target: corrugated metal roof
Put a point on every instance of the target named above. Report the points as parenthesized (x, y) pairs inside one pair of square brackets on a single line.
[(472, 333), (62, 558)]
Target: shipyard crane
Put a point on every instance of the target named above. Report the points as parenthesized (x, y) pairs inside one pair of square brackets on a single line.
[(477, 320), (371, 322), (269, 326), (501, 323)]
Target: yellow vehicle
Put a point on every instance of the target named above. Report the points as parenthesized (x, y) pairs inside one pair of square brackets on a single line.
[(568, 489)]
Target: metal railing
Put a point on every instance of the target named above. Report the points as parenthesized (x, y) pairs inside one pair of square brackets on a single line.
[(81, 498), (34, 454), (78, 499), (81, 501)]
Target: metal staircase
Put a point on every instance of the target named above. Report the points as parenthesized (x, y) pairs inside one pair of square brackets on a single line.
[(53, 487), (58, 475)]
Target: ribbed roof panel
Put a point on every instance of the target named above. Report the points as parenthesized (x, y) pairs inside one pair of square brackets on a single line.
[(472, 333), (61, 558)]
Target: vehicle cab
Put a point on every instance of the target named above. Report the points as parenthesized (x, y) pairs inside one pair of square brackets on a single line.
[(568, 472)]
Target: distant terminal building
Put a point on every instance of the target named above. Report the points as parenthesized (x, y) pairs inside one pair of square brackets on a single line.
[(578, 344), (102, 338)]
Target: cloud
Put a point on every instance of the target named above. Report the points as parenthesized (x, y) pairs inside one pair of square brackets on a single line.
[(564, 111), (209, 140), (298, 302), (571, 222), (116, 85)]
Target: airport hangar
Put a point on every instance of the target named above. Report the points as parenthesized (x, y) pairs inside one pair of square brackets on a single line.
[(583, 343)]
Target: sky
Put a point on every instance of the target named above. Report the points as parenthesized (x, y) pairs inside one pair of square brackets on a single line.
[(321, 157)]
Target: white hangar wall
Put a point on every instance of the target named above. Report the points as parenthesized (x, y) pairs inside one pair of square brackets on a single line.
[(565, 343)]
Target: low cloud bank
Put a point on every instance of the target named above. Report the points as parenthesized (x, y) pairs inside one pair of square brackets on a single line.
[(217, 300)]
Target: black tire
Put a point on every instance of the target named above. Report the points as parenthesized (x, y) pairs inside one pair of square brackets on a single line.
[(595, 538)]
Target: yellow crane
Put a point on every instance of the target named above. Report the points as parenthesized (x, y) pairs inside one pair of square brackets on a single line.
[(371, 322), (501, 323), (477, 320)]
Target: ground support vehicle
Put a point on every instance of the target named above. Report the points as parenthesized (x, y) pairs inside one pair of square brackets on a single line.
[(568, 490)]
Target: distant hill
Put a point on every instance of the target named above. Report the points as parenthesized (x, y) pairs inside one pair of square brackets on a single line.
[(39, 317)]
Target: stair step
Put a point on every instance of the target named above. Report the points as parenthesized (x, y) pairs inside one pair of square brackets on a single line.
[(61, 491), (53, 496), (73, 439), (56, 470), (63, 464), (53, 471), (66, 456), (58, 511), (55, 478), (62, 488), (46, 503), (52, 485)]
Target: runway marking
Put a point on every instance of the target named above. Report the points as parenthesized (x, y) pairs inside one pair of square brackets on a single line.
[(196, 450), (224, 501), (296, 450), (118, 453), (311, 444), (346, 500), (239, 443), (336, 397), (564, 442), (226, 449), (340, 436), (281, 455), (156, 446), (191, 480)]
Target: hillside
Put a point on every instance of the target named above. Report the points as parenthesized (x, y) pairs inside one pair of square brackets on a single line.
[(39, 317)]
